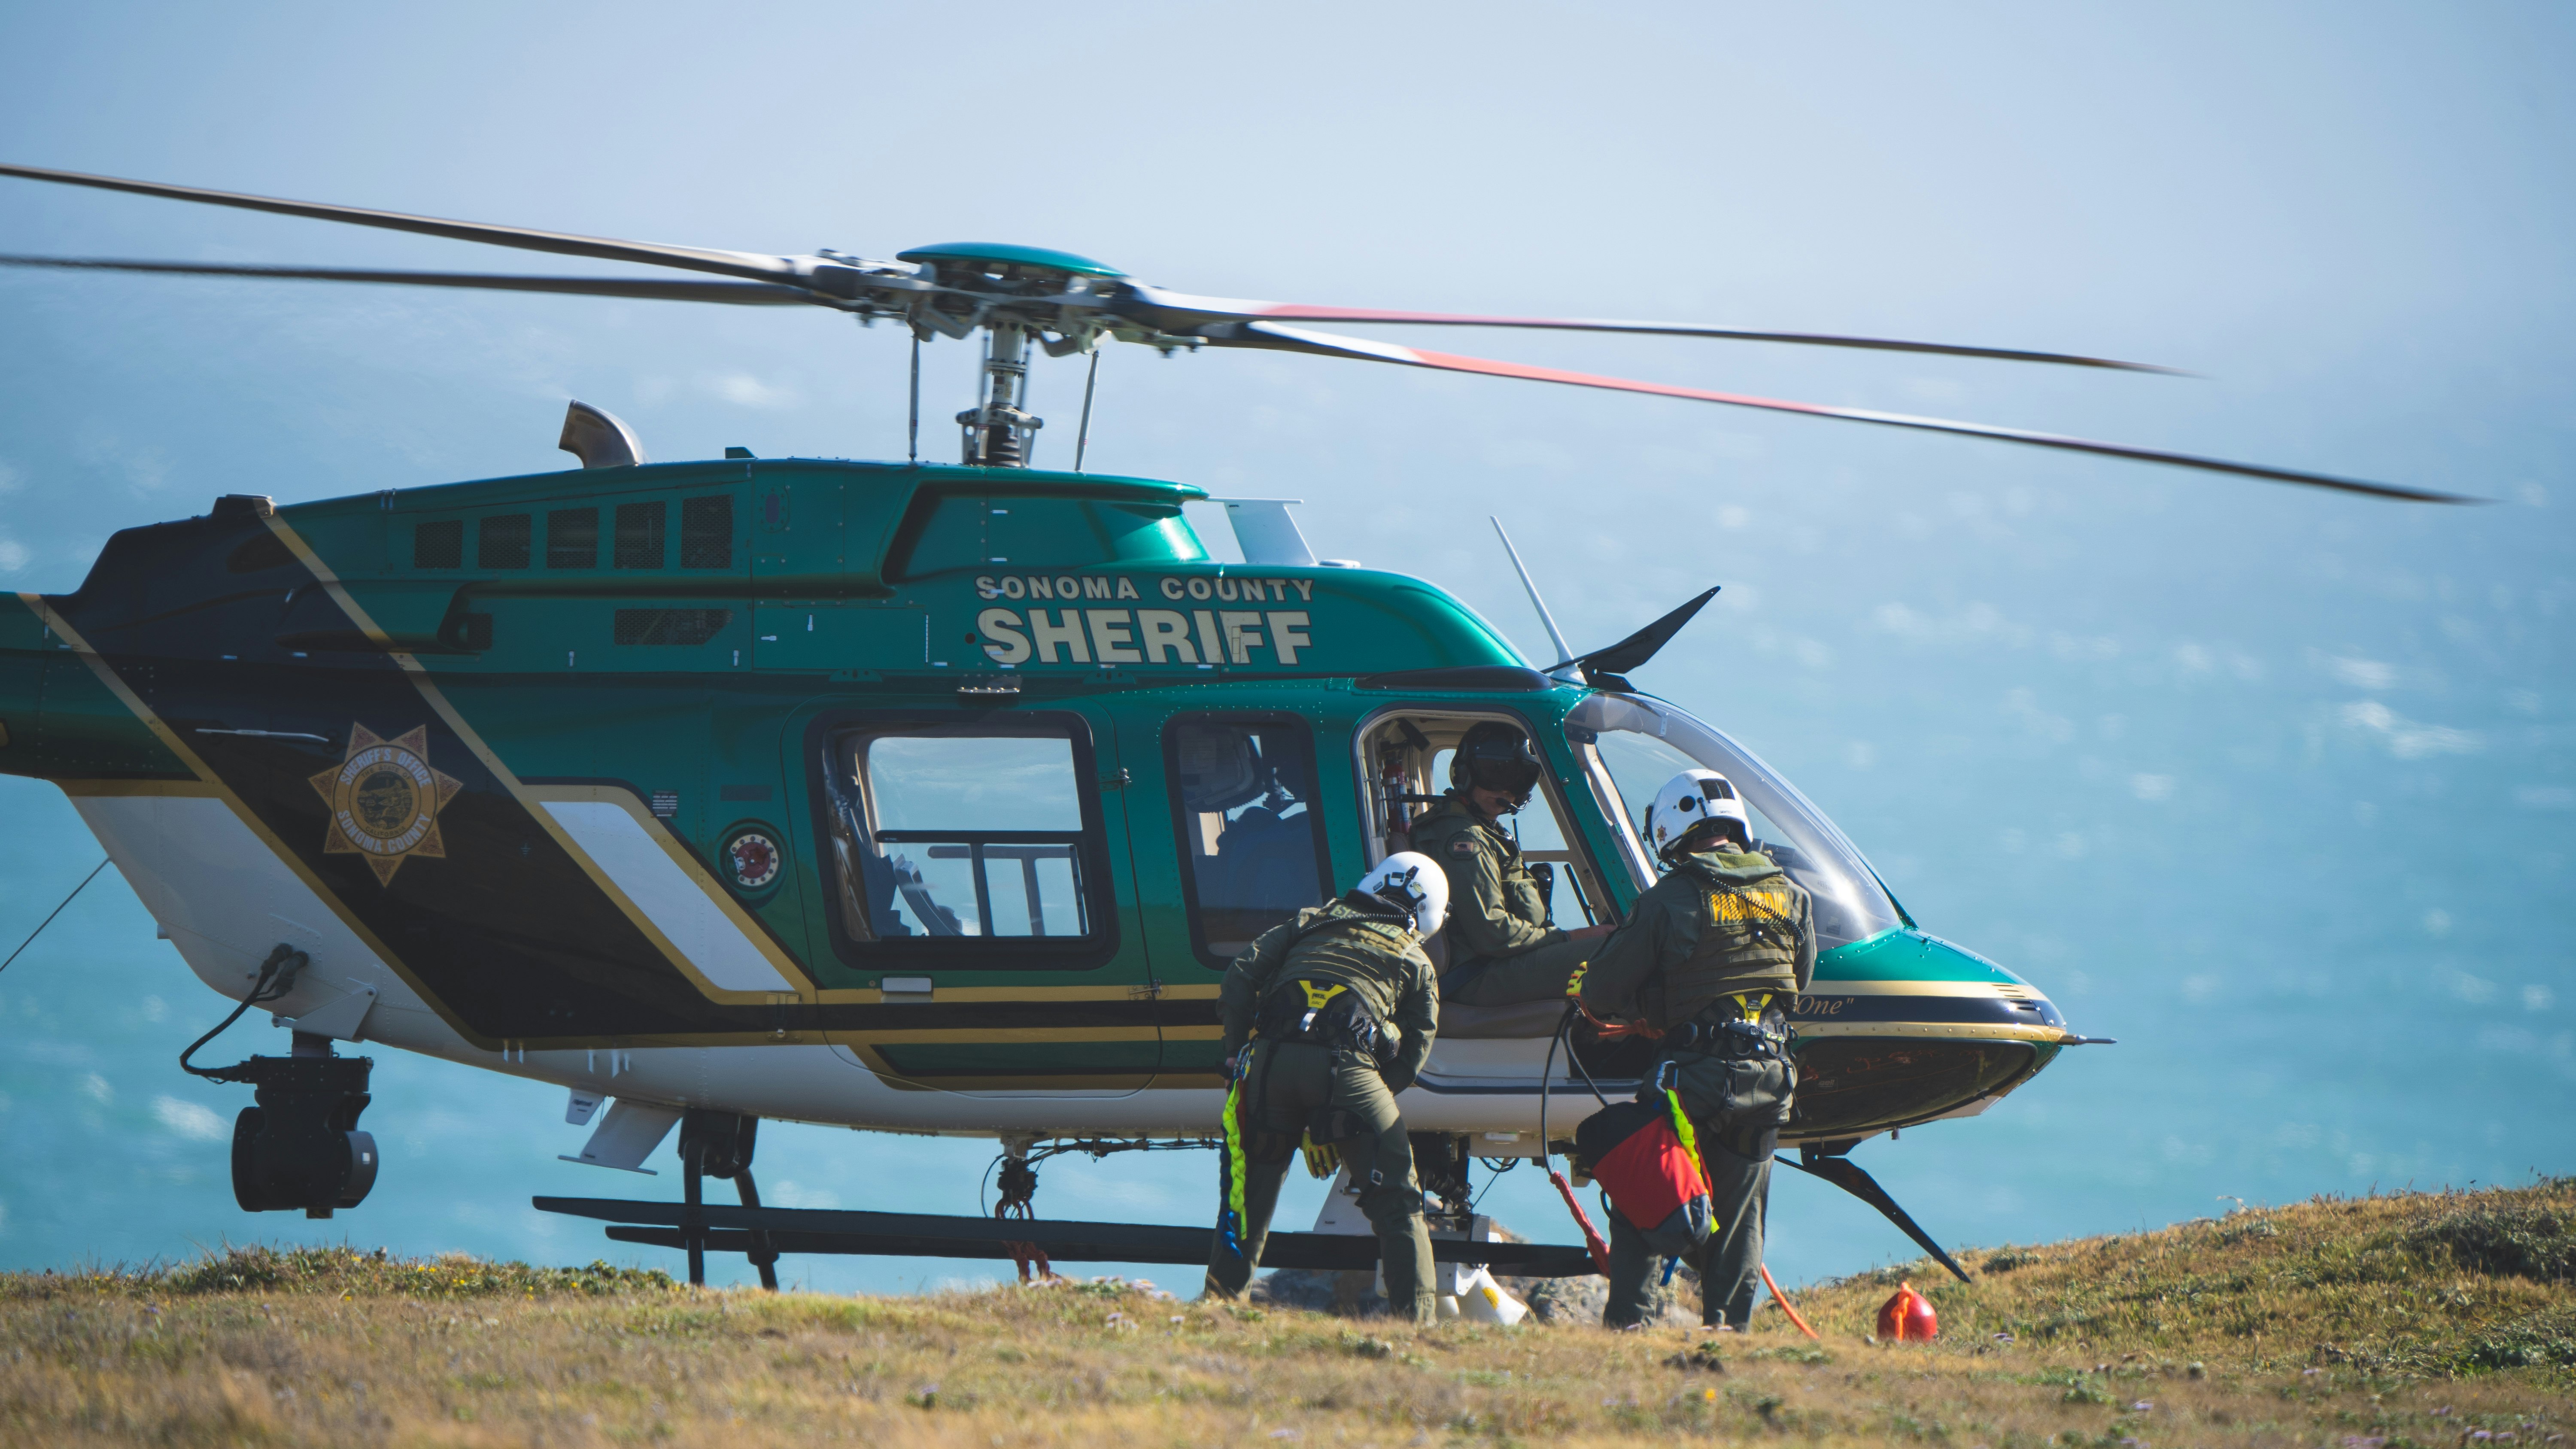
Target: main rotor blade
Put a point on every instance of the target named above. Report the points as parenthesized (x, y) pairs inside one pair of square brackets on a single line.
[(742, 294), (1178, 311), (749, 265), (1327, 344)]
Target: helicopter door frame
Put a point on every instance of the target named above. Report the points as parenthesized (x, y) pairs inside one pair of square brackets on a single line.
[(1377, 809), (1186, 857), (1479, 1060), (1015, 1015)]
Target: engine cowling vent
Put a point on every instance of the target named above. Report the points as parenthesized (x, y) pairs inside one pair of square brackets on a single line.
[(598, 438)]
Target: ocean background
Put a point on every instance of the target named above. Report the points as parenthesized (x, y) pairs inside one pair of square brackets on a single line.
[(2276, 786)]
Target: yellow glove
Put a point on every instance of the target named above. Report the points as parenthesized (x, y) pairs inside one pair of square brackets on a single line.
[(1323, 1159), (1574, 983)]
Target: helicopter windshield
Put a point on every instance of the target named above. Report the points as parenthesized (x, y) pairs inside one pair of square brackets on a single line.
[(1630, 747)]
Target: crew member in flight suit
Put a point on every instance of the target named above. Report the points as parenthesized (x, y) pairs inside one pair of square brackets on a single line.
[(1327, 1016), (1502, 947), (1710, 959)]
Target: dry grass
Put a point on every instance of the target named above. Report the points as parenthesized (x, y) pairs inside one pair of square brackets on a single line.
[(2382, 1323)]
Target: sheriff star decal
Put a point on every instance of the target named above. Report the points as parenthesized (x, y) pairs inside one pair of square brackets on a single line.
[(385, 800)]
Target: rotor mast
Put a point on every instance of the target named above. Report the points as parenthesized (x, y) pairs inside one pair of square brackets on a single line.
[(1020, 298), (1000, 433)]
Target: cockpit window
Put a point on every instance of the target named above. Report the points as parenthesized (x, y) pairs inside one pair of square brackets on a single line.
[(1630, 747)]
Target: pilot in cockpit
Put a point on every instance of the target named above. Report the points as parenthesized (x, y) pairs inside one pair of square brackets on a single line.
[(1502, 946)]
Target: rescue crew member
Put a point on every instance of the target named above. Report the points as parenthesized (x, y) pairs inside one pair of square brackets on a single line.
[(1710, 959), (1502, 947), (1327, 1016)]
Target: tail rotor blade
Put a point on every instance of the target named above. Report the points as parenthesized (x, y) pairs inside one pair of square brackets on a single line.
[(1328, 344), (742, 294), (749, 265), (1848, 1175)]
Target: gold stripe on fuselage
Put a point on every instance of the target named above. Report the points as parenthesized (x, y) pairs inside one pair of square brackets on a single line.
[(1938, 1030), (2002, 990)]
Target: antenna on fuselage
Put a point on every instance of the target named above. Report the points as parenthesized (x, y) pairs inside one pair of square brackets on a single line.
[(1554, 635)]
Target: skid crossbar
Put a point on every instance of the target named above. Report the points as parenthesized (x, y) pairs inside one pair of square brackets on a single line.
[(921, 1235)]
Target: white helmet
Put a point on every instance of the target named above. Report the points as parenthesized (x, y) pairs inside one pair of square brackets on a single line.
[(1414, 882), (1687, 801)]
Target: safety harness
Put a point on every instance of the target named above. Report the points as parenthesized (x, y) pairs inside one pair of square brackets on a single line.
[(1300, 1009), (1733, 1026), (1325, 1014)]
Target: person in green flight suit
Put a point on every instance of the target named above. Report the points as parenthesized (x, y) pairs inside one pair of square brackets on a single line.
[(1710, 960), (1327, 1016), (1502, 947)]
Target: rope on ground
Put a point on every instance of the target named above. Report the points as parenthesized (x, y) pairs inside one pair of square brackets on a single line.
[(1786, 1307)]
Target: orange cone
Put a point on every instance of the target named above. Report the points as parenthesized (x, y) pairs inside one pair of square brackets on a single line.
[(1907, 1317)]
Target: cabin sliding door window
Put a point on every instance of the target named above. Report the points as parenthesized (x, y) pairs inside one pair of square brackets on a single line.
[(969, 845), (1252, 846)]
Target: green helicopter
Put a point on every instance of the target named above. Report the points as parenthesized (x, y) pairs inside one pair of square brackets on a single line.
[(901, 796)]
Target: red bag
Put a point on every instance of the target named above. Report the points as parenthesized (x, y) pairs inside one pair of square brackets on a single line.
[(1646, 1158)]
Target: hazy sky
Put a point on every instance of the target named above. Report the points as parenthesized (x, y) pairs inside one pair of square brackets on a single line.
[(2248, 776)]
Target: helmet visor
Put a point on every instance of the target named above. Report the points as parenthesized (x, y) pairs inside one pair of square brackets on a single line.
[(1514, 776)]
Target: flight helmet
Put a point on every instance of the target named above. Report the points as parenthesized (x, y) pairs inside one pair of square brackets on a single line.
[(1688, 807), (1413, 883), (1496, 756)]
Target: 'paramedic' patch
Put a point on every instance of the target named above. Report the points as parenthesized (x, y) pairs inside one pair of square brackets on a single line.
[(1748, 905)]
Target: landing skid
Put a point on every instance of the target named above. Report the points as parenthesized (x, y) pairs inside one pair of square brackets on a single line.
[(704, 1228), (1828, 1162)]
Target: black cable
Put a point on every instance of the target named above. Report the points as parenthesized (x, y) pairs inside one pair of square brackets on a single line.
[(1493, 1175), (275, 968), (1547, 1078), (58, 910), (1576, 1057)]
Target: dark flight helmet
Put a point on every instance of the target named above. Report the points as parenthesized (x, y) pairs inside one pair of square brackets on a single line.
[(1495, 756)]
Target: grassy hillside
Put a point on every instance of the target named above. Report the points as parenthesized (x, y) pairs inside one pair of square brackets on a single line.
[(2382, 1323)]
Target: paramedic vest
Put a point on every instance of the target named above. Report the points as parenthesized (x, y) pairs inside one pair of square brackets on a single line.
[(1749, 918)]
